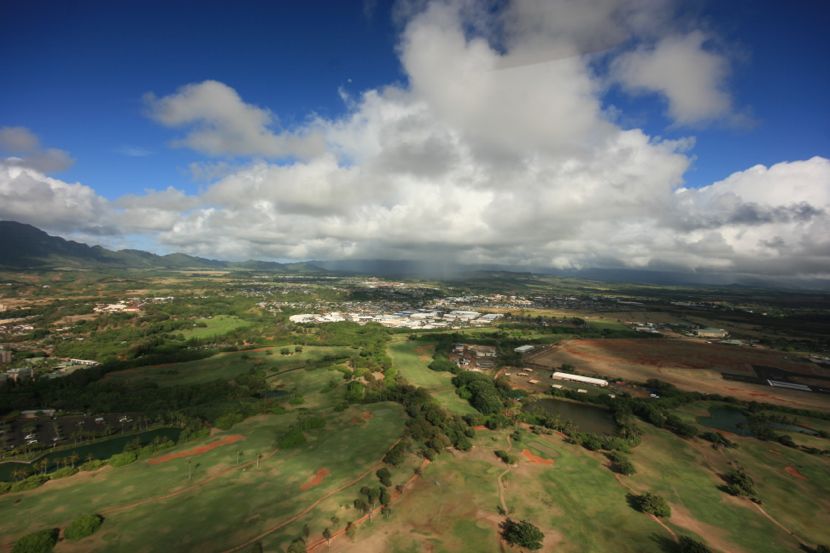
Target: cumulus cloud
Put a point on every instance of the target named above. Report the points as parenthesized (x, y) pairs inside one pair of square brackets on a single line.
[(24, 150), (221, 123), (491, 151), (689, 76)]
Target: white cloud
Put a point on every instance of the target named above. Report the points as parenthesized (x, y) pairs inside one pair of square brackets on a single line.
[(479, 156), (681, 68), (25, 150), (222, 124)]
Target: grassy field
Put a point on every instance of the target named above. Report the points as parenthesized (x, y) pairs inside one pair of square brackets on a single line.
[(411, 360), (215, 326), (155, 507), (225, 366), (576, 502)]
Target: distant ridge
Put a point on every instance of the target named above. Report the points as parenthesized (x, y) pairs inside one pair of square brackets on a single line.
[(23, 246)]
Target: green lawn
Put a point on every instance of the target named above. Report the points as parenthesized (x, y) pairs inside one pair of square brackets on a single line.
[(225, 366), (215, 326), (411, 360)]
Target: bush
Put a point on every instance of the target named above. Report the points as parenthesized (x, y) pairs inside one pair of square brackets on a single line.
[(42, 541), (30, 483), (123, 459), (83, 526), (63, 473), (690, 545), (739, 483), (523, 534), (650, 503), (505, 457), (93, 464), (291, 438), (384, 476)]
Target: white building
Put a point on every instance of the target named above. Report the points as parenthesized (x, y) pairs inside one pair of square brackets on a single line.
[(579, 378), (523, 349)]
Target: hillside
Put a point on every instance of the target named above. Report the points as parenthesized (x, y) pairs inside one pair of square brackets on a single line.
[(24, 246)]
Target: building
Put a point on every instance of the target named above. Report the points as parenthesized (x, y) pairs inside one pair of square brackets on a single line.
[(789, 385), (579, 378), (5, 356), (710, 332), (523, 349), (23, 373)]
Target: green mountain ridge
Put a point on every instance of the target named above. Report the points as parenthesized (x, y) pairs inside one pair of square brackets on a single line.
[(24, 246)]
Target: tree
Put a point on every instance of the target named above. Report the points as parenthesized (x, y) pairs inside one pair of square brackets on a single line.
[(83, 526), (690, 545), (42, 541), (297, 546), (384, 476), (327, 535), (650, 503), (523, 534)]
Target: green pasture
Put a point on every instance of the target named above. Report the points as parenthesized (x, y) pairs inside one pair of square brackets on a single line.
[(141, 515), (214, 326), (411, 358), (678, 470), (226, 366)]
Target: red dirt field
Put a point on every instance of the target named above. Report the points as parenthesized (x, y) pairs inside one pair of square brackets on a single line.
[(792, 471), (315, 480), (688, 364), (227, 440), (535, 459), (480, 427)]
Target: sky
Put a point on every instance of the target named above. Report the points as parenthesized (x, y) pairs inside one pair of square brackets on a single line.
[(649, 134)]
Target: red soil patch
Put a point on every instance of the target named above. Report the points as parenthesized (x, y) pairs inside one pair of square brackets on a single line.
[(365, 416), (792, 471), (227, 440), (480, 427), (315, 480), (535, 459)]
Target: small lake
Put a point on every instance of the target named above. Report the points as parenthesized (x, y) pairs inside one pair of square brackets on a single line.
[(794, 428), (727, 419), (586, 418), (98, 450)]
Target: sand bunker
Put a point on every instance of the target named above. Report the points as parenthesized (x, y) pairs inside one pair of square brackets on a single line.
[(227, 440), (792, 471), (533, 458), (315, 480)]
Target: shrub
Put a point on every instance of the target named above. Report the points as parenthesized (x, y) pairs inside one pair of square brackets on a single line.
[(123, 459), (650, 503), (42, 541), (690, 545), (384, 476), (83, 526), (505, 457), (30, 483), (93, 464), (523, 534), (63, 473), (739, 483), (291, 438)]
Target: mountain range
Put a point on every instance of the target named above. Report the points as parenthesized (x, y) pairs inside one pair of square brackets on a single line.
[(24, 246)]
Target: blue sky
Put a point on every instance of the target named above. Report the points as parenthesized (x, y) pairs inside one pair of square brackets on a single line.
[(342, 124), (76, 73)]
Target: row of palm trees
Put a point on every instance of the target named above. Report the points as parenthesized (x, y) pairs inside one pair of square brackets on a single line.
[(42, 466)]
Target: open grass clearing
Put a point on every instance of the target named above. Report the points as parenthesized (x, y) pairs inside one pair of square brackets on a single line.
[(411, 359)]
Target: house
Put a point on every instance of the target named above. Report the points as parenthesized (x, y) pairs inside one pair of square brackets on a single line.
[(523, 349), (5, 356)]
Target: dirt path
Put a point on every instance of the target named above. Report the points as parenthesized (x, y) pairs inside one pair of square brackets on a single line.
[(500, 479), (664, 525)]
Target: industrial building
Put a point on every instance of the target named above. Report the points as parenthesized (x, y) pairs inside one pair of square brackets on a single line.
[(579, 378)]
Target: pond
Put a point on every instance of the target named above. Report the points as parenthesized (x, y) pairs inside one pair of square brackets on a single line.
[(98, 450), (586, 418), (727, 419), (794, 428)]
